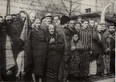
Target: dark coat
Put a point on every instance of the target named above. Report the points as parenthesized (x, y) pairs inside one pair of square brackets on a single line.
[(54, 57), (97, 47), (6, 30), (18, 43), (74, 61), (36, 51), (106, 35)]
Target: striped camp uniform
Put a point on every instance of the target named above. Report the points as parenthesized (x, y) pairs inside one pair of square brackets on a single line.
[(86, 38)]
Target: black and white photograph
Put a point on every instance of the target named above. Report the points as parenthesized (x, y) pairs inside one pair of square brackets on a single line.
[(57, 40)]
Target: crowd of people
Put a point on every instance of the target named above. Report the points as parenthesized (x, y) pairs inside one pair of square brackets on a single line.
[(54, 48)]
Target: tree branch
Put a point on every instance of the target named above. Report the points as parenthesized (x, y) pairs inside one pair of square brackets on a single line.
[(55, 6), (64, 6), (75, 8)]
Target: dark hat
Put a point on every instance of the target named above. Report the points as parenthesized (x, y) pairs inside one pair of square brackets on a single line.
[(64, 19), (42, 19)]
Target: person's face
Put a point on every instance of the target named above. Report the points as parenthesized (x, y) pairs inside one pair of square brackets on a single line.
[(92, 23), (37, 23), (48, 20), (85, 24), (51, 29), (112, 29), (103, 27), (14, 17), (72, 24), (99, 28), (79, 19), (96, 24), (32, 17), (1, 20), (58, 22), (56, 19), (66, 25), (8, 19), (23, 16), (77, 26), (75, 37)]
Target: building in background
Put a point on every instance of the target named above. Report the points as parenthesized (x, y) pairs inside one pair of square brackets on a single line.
[(68, 7), (93, 6)]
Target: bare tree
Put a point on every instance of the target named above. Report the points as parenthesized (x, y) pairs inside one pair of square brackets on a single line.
[(73, 6), (68, 6)]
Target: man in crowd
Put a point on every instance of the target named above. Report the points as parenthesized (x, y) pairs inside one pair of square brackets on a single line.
[(112, 48), (48, 18), (92, 24), (106, 57), (56, 20), (109, 47), (45, 21), (14, 16), (7, 54), (85, 36), (100, 64), (63, 73), (79, 19)]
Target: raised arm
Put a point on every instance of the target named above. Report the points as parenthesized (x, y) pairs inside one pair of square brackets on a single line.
[(104, 11)]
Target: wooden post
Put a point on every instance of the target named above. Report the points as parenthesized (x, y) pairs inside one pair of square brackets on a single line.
[(8, 7)]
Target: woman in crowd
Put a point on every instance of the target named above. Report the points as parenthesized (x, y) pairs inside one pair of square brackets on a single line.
[(36, 51), (55, 53), (44, 52)]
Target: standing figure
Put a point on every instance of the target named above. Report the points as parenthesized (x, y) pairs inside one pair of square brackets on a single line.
[(109, 47), (1, 27), (106, 56), (112, 49), (96, 47), (74, 64), (63, 72), (55, 53), (19, 34), (100, 63), (36, 52), (8, 62), (86, 57)]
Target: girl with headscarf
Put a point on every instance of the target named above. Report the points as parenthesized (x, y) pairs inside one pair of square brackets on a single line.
[(55, 52)]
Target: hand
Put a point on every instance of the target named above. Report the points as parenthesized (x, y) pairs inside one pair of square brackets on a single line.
[(73, 48), (18, 75), (91, 52), (107, 50), (9, 72), (52, 40), (110, 36), (111, 1)]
